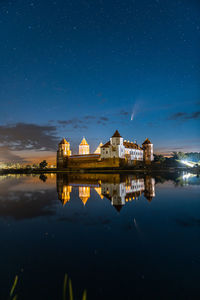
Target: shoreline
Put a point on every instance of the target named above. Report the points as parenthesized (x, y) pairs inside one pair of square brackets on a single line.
[(98, 170)]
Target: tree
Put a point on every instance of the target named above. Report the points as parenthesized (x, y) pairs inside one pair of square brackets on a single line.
[(159, 158), (35, 166), (43, 164), (179, 155)]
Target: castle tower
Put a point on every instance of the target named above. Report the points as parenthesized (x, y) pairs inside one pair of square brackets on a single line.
[(84, 147), (84, 193), (65, 146), (148, 151), (116, 139), (63, 152), (98, 150)]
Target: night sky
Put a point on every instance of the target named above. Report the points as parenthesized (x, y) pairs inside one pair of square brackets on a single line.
[(86, 68)]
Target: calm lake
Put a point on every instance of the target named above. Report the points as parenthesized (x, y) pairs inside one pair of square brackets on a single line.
[(117, 236)]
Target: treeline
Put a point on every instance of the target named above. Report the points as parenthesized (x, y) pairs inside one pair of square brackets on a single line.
[(193, 156), (190, 156)]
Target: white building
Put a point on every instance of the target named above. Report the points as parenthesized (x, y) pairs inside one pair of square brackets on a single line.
[(120, 148)]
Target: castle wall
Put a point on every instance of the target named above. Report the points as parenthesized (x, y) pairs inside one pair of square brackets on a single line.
[(89, 162)]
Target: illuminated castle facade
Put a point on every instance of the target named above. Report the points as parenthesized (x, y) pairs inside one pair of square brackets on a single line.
[(84, 148), (117, 147), (114, 153)]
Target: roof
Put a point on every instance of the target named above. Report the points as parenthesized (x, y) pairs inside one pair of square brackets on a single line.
[(83, 142), (63, 142), (147, 141), (98, 150), (116, 134), (106, 145), (130, 145)]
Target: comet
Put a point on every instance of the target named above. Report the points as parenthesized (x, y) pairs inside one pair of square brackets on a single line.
[(134, 110), (132, 116)]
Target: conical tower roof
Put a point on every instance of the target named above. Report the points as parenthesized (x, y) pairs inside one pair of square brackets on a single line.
[(116, 134), (147, 141), (83, 142), (98, 150), (63, 141)]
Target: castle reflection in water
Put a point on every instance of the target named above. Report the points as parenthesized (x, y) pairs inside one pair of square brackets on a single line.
[(119, 189)]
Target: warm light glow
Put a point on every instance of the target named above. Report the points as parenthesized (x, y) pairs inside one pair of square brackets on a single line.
[(66, 194), (98, 190), (65, 146), (84, 147), (84, 193), (98, 150)]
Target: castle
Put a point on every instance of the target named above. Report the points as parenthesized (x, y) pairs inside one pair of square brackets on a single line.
[(115, 153)]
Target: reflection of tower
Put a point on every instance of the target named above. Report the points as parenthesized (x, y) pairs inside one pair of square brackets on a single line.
[(116, 192), (84, 148), (66, 194), (148, 151), (98, 190), (63, 152), (63, 189), (149, 192), (84, 193)]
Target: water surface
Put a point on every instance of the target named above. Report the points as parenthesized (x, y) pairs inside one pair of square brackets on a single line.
[(118, 236)]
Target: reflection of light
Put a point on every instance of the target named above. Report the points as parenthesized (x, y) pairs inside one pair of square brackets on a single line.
[(84, 193), (189, 164), (188, 175)]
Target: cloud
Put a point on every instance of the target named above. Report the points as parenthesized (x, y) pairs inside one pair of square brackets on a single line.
[(89, 117), (187, 145), (177, 116), (8, 156), (103, 119), (23, 136), (183, 116), (124, 113), (69, 122), (82, 123), (78, 126), (196, 115)]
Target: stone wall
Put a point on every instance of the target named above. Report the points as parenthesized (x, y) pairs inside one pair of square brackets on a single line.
[(84, 162)]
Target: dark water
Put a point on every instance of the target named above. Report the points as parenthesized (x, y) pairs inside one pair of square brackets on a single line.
[(118, 237)]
